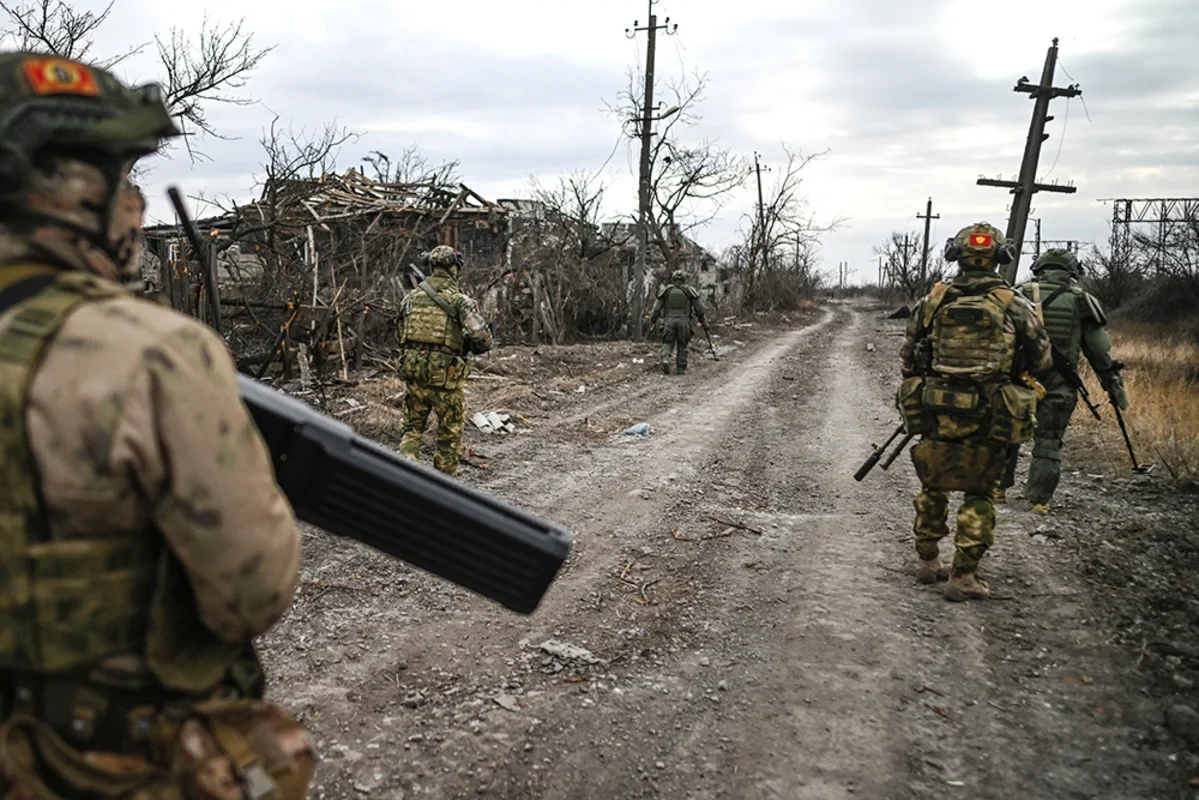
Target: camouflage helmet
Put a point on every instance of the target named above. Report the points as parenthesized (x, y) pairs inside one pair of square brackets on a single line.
[(1061, 259), (979, 246), (445, 257), (678, 276), (48, 101)]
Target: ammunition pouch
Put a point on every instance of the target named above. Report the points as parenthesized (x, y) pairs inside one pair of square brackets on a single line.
[(433, 365), (216, 749), (910, 402), (962, 466), (1013, 414), (941, 396)]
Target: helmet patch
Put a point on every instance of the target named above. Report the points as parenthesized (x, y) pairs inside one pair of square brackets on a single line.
[(60, 76)]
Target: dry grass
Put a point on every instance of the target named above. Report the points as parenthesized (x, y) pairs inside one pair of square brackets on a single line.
[(1162, 378)]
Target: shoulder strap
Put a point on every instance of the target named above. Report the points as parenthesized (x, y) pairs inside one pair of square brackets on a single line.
[(1004, 295), (439, 300), (935, 297), (1058, 292)]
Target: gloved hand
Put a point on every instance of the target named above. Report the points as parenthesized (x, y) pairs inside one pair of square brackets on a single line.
[(704, 325), (1113, 384)]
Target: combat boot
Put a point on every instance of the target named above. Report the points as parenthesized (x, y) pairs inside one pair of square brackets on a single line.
[(665, 369), (999, 496), (1039, 508), (681, 369), (965, 586), (930, 571)]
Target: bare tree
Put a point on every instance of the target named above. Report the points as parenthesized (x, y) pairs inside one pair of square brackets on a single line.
[(690, 181), (410, 167), (902, 265), (780, 244), (196, 72)]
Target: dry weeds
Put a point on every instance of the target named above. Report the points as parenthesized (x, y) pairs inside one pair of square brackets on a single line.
[(1162, 377)]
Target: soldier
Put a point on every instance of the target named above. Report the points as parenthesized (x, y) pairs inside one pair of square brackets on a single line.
[(676, 302), (439, 328), (145, 541), (966, 343), (1075, 323)]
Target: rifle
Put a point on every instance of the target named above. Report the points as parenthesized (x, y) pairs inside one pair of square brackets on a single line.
[(1067, 371), (864, 470), (712, 347), (353, 487)]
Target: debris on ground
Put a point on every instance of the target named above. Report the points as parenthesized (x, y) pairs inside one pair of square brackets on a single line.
[(493, 422), (641, 430), (568, 652)]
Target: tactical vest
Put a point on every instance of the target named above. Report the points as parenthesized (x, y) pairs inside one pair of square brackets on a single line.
[(677, 303), (969, 334), (1062, 318), (67, 604), (428, 323)]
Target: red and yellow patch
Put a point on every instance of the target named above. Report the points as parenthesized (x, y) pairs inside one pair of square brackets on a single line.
[(980, 240), (60, 76)]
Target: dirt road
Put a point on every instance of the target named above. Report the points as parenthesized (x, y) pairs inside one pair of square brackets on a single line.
[(738, 620)]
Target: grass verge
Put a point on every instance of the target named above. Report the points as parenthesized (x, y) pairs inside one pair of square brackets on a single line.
[(1162, 378)]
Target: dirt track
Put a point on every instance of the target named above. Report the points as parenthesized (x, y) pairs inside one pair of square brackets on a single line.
[(798, 659)]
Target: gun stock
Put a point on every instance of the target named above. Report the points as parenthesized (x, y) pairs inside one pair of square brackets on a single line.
[(352, 487), (1067, 371)]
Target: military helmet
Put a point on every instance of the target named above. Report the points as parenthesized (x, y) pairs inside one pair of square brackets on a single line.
[(49, 101), (979, 246), (1062, 259), (678, 276), (445, 256)]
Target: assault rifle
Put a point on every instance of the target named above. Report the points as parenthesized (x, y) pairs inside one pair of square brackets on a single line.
[(1067, 371), (864, 470), (353, 487)]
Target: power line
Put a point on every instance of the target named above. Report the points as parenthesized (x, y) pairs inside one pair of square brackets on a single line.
[(1071, 77), (1061, 139)]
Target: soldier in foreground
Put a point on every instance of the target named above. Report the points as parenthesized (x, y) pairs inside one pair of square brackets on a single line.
[(145, 541), (439, 328), (1075, 323), (965, 345), (676, 303)]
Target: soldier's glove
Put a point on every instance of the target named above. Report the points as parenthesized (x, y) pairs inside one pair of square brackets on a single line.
[(1113, 384)]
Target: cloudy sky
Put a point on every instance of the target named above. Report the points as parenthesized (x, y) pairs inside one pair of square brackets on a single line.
[(912, 98)]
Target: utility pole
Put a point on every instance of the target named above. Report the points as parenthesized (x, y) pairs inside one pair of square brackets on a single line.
[(928, 217), (637, 304), (761, 212), (1026, 183), (1037, 250)]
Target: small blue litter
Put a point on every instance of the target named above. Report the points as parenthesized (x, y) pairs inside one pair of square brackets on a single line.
[(640, 429)]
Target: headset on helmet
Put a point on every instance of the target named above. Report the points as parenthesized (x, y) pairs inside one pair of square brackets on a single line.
[(678, 276), (979, 243), (445, 256)]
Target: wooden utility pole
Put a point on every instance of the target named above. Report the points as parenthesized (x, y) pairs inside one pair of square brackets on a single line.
[(1026, 183), (637, 300), (761, 213), (928, 217)]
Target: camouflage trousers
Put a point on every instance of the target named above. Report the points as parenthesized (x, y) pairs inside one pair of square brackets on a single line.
[(975, 527), (448, 404), (676, 333), (1053, 417)]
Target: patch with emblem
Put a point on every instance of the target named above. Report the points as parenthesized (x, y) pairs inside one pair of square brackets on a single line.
[(60, 76)]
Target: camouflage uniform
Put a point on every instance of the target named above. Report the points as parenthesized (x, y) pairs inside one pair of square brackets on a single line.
[(439, 328), (964, 343), (1075, 323), (145, 541), (675, 303)]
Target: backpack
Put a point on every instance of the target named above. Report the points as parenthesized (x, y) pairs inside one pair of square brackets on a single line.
[(970, 336)]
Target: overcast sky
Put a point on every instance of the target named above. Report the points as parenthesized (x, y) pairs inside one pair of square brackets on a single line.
[(912, 98)]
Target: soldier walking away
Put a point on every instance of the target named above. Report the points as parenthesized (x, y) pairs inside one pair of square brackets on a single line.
[(1076, 326), (145, 539), (439, 328), (967, 342), (676, 303)]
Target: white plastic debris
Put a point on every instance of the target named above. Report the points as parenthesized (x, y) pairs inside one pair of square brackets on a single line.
[(638, 360), (492, 422), (582, 388), (640, 429)]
